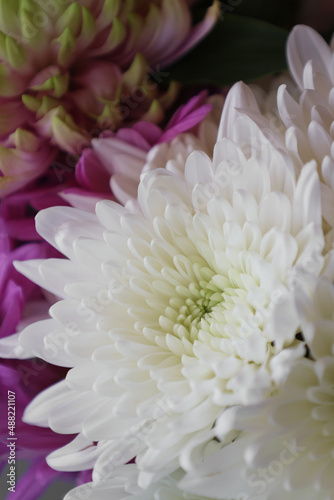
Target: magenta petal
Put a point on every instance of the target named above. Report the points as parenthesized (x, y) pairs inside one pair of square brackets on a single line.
[(85, 200), (186, 117), (11, 309), (22, 229), (46, 198), (187, 123), (150, 131), (84, 476), (90, 174), (18, 209), (134, 137), (13, 207), (5, 244), (5, 262), (27, 252), (37, 441), (193, 103), (30, 251), (15, 289)]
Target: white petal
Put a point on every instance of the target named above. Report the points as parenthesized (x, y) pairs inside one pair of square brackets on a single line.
[(57, 226), (305, 43), (80, 454), (240, 96)]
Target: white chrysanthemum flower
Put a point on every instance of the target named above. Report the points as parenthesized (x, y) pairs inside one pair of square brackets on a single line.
[(283, 447), (122, 485), (174, 313), (309, 120)]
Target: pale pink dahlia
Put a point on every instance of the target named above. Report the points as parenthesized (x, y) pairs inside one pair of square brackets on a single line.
[(71, 69)]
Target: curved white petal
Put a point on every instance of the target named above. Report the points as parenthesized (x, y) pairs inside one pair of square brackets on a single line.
[(304, 44)]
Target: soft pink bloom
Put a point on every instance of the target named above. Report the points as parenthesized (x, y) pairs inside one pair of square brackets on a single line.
[(71, 69)]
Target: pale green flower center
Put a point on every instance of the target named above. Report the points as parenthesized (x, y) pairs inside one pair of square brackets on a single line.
[(203, 306)]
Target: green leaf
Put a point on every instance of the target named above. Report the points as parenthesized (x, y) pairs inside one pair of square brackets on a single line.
[(278, 12), (238, 48)]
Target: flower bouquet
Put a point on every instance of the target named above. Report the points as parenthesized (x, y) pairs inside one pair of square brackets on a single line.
[(167, 262)]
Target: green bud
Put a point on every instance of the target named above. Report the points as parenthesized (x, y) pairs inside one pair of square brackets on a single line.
[(7, 88), (46, 105), (110, 115), (116, 35), (67, 47), (30, 102), (16, 55), (88, 29), (24, 140), (110, 10), (70, 18), (9, 22), (135, 74), (58, 84)]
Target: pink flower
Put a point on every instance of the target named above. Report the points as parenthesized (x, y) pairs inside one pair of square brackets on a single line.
[(113, 166), (71, 69)]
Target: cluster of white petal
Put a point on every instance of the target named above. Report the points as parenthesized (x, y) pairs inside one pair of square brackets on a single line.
[(267, 99), (283, 447), (122, 484), (171, 314), (309, 119), (198, 319)]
